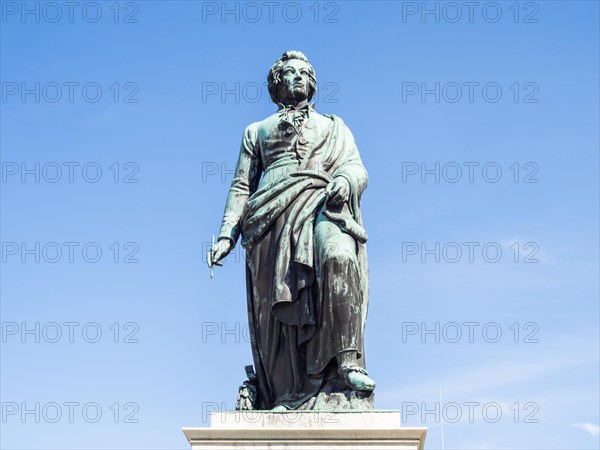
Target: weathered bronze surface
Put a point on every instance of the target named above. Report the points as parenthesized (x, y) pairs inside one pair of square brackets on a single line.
[(295, 201)]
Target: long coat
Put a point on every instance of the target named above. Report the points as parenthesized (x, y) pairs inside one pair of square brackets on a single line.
[(302, 310)]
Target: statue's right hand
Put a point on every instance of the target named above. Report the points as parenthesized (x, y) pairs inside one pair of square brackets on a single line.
[(219, 251)]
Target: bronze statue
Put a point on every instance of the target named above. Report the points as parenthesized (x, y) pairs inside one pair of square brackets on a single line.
[(295, 200)]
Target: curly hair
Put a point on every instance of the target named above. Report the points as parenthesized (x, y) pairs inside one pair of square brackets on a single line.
[(274, 77)]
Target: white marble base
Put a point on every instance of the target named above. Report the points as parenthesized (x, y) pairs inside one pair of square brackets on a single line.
[(262, 430)]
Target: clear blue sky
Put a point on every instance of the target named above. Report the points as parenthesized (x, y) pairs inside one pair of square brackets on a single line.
[(160, 92)]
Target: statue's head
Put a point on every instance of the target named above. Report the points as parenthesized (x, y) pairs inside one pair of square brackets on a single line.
[(292, 79)]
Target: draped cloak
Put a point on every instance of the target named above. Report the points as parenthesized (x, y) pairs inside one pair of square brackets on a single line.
[(294, 343)]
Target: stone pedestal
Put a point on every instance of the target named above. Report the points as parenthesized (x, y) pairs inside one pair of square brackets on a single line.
[(262, 430)]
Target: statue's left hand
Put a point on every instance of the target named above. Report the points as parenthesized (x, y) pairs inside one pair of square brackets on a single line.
[(338, 191)]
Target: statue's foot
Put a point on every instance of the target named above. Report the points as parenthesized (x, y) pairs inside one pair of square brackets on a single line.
[(279, 408), (356, 378)]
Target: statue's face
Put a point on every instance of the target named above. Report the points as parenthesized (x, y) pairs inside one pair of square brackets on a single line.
[(294, 80)]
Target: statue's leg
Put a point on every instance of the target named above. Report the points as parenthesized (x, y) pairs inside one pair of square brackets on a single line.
[(337, 272), (340, 306)]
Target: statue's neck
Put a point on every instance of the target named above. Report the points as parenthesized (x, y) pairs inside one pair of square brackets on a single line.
[(296, 104)]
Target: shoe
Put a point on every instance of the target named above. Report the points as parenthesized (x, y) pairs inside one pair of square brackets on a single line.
[(356, 378)]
